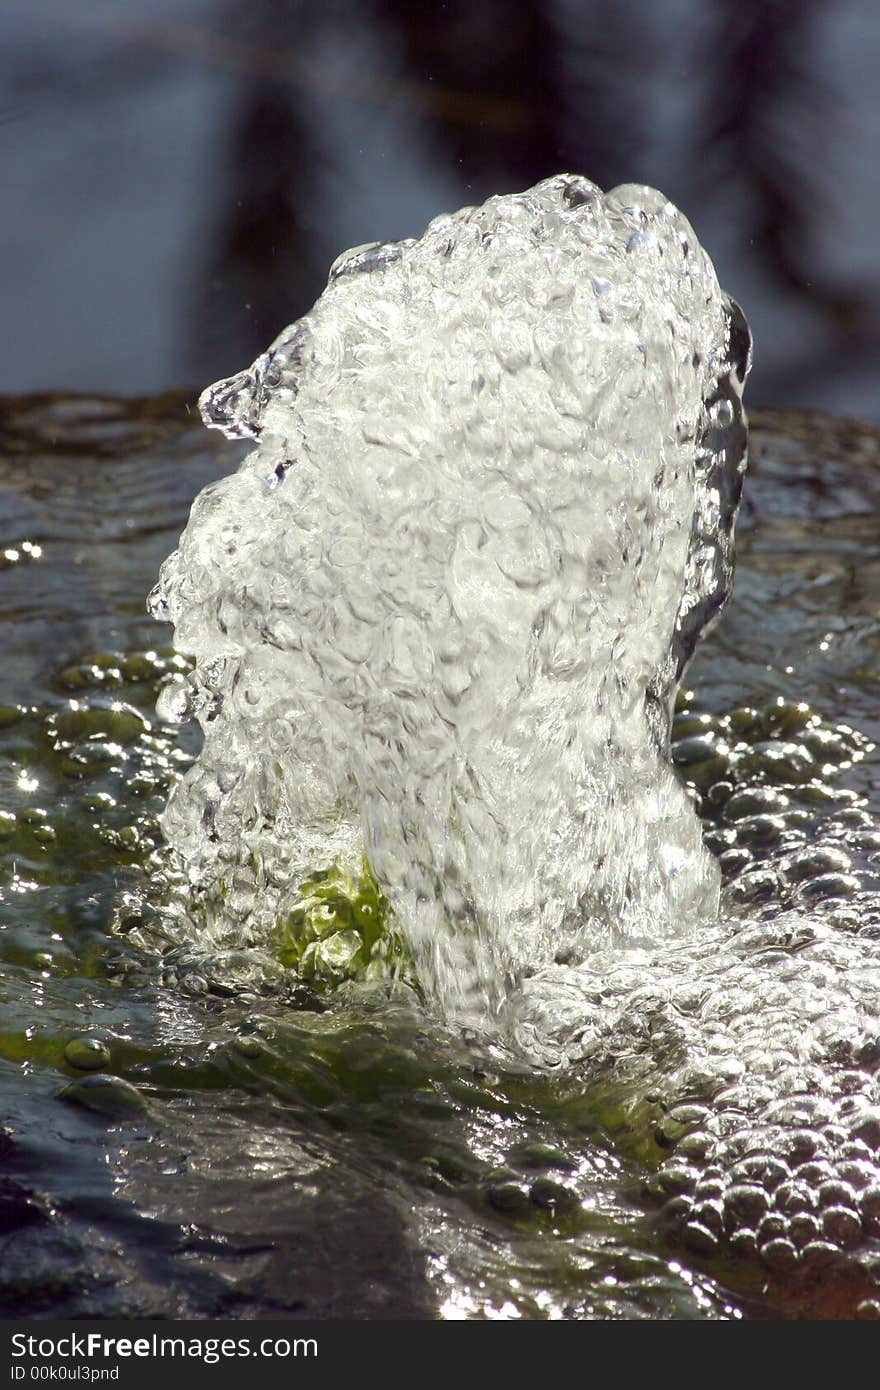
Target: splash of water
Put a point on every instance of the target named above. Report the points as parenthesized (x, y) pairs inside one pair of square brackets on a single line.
[(439, 614)]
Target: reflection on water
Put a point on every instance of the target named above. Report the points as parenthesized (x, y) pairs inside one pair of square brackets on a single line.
[(182, 171)]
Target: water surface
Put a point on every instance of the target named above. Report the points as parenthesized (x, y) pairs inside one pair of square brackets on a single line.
[(298, 1150)]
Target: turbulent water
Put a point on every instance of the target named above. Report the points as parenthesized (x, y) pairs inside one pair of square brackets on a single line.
[(438, 618), (439, 613), (200, 1131)]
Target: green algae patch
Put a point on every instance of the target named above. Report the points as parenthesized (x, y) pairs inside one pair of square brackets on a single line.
[(87, 1054), (340, 929)]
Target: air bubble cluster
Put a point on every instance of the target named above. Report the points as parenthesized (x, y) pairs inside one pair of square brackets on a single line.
[(751, 1050)]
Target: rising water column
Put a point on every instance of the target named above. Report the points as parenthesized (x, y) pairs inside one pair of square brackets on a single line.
[(439, 613)]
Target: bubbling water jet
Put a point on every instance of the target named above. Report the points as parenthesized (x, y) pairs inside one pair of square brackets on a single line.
[(439, 614)]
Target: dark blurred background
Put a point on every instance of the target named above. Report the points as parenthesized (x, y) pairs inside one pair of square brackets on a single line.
[(179, 174)]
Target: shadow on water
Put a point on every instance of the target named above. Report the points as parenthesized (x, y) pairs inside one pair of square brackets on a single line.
[(247, 1144)]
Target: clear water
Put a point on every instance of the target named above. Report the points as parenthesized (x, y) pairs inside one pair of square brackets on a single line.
[(439, 613), (298, 1147), (438, 618)]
